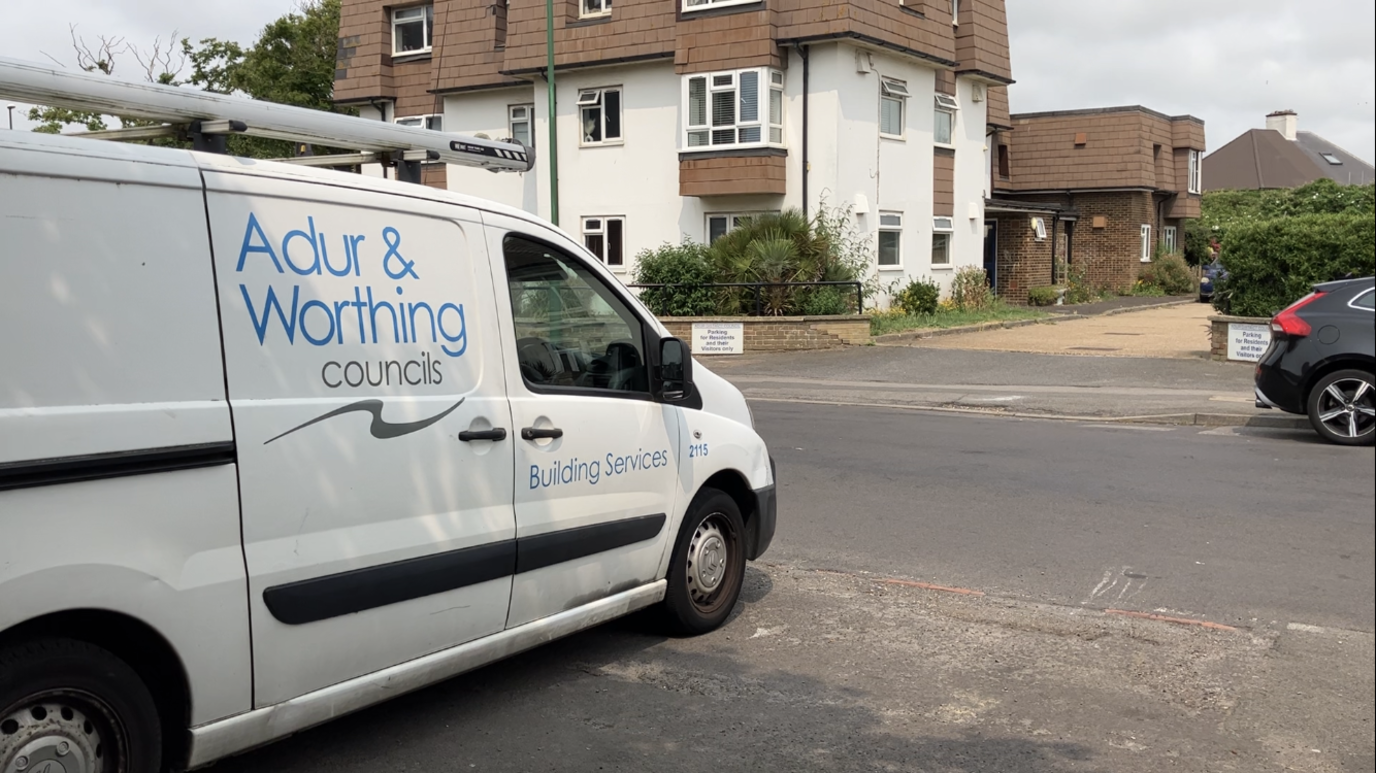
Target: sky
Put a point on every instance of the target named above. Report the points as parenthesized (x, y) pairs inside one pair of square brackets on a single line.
[(1229, 62)]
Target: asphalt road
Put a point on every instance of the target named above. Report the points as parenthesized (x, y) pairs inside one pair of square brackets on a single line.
[(838, 659)]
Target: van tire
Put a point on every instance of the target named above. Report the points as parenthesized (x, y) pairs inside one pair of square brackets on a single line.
[(707, 568), (85, 698)]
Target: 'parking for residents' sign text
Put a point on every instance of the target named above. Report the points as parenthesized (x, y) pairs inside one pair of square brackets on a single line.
[(718, 338), (1247, 342)]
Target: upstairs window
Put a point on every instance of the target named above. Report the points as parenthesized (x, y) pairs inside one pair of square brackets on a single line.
[(594, 8), (600, 116), (413, 30), (944, 119), (893, 99), (520, 120), (431, 122), (723, 109), (1196, 173), (699, 5)]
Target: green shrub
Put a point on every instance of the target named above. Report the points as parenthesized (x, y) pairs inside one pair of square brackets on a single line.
[(1043, 296), (828, 301), (919, 297), (1170, 274), (1273, 263), (675, 264), (970, 290)]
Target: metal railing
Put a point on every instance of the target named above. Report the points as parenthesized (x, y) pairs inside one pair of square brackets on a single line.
[(760, 287)]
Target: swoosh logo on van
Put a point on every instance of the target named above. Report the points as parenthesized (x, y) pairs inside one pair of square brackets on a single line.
[(380, 428)]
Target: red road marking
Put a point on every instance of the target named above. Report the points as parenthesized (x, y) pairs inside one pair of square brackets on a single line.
[(1165, 619)]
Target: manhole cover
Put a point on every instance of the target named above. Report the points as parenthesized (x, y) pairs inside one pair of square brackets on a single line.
[(1122, 334), (1094, 349)]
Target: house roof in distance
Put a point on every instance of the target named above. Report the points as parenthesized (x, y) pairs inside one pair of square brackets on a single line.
[(1339, 165)]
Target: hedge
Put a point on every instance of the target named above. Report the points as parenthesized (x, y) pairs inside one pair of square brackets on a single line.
[(1273, 263)]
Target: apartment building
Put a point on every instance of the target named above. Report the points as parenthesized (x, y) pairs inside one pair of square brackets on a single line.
[(1097, 191), (675, 118)]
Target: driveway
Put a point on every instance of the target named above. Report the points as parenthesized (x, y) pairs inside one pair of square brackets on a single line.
[(1173, 332)]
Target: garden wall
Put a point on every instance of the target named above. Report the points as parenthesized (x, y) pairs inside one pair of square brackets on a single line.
[(779, 334)]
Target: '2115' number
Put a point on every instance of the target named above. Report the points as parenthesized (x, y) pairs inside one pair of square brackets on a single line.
[(697, 449)]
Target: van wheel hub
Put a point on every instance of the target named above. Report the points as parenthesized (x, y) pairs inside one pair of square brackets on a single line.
[(707, 560), (50, 735)]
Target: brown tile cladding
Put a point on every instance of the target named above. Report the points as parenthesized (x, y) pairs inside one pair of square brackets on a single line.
[(997, 106), (1114, 148), (435, 176), (733, 174), (944, 182), (881, 21), (982, 40)]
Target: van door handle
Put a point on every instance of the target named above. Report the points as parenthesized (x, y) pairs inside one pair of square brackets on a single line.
[(468, 436), (538, 433)]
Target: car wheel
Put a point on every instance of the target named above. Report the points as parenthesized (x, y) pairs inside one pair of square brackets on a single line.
[(1342, 408), (70, 706), (708, 565)]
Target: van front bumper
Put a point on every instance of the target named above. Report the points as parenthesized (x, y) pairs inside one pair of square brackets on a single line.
[(766, 516)]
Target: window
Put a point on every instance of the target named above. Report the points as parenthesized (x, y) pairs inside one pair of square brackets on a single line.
[(955, 12), (1146, 243), (1039, 228), (890, 239), (605, 238), (698, 5), (723, 109), (601, 115), (1196, 173), (1004, 163), (431, 122), (521, 120), (1366, 300), (1332, 159), (590, 8), (1168, 238), (893, 97), (721, 223), (941, 240), (413, 30), (572, 331), (944, 122)]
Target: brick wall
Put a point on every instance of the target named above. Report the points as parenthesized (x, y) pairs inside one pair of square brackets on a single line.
[(1111, 254), (779, 334), (1022, 261), (1218, 334)]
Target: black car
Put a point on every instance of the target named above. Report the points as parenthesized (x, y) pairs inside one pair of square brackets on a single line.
[(1321, 360)]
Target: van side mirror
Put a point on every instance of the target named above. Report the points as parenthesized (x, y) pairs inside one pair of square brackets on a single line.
[(675, 370)]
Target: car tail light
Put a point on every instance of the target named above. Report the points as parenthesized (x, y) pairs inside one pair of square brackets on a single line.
[(1289, 323)]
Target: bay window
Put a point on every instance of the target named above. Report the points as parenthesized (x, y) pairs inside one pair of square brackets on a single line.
[(738, 108)]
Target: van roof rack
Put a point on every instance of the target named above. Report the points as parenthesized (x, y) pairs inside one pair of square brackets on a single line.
[(207, 119)]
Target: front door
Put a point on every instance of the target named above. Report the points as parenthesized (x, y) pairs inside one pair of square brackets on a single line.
[(991, 253), (362, 353), (596, 457)]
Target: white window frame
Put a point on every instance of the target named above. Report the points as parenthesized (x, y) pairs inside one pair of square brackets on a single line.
[(732, 220), (890, 222), (955, 13), (427, 21), (598, 225), (770, 85), (595, 99), (945, 104), (594, 9), (701, 5), (1169, 238), (1196, 181), (425, 121), (1146, 243), (512, 119), (943, 228), (1039, 228), (896, 91)]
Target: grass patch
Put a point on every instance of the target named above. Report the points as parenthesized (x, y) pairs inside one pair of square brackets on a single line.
[(895, 321)]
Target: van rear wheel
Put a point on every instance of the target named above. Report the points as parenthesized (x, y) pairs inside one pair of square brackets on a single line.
[(70, 706), (708, 565)]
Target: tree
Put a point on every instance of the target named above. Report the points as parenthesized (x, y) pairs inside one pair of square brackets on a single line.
[(292, 62)]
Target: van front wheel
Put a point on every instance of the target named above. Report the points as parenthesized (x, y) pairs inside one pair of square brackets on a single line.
[(708, 565), (77, 707)]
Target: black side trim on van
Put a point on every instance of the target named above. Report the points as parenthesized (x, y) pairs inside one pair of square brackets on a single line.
[(321, 598), (556, 547), (119, 464), (357, 590)]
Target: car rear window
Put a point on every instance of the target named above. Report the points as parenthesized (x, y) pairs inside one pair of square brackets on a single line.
[(1366, 300)]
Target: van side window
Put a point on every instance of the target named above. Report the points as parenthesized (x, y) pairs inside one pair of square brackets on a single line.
[(572, 331)]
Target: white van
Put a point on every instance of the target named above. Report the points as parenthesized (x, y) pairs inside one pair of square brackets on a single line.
[(277, 444)]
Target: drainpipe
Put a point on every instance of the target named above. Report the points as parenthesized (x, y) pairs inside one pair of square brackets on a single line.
[(803, 52), (553, 119)]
